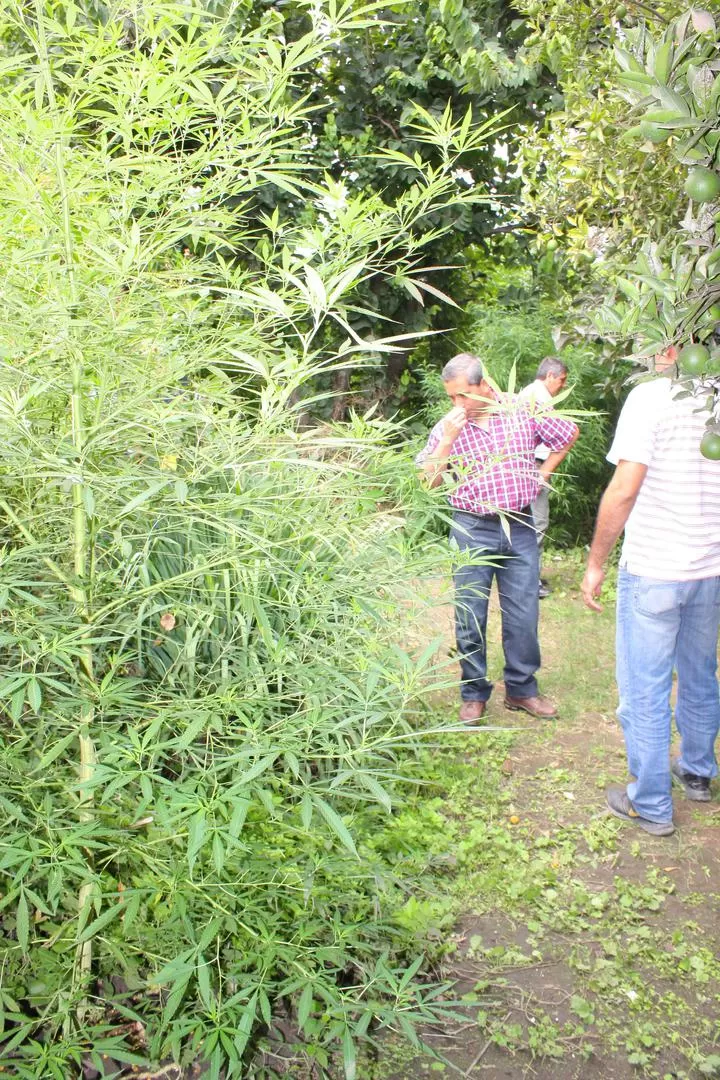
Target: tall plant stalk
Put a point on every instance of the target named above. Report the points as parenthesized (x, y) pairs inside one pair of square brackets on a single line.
[(80, 586)]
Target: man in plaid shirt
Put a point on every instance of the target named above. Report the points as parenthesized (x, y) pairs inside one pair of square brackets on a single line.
[(486, 446)]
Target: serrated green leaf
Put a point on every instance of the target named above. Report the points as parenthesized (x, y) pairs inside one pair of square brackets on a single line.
[(196, 837), (22, 922), (335, 823), (203, 982), (100, 923), (349, 1056), (304, 1006)]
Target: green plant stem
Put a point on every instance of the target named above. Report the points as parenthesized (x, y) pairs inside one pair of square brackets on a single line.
[(79, 588), (22, 529)]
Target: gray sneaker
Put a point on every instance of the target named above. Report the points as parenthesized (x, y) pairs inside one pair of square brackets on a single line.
[(619, 805), (695, 787)]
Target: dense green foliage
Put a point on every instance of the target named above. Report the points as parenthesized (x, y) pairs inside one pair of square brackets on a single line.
[(206, 697), (625, 179), (643, 82), (220, 220)]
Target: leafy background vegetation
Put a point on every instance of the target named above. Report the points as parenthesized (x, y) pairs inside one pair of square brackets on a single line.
[(239, 242)]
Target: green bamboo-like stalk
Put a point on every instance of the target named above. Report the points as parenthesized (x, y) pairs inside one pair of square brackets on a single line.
[(79, 588)]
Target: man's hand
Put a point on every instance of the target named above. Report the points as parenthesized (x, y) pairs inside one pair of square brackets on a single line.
[(591, 586), (615, 507), (453, 423)]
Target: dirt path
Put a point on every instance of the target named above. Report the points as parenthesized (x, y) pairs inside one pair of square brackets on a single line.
[(586, 948)]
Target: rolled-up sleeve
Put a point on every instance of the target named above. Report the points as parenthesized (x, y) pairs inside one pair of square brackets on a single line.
[(430, 446), (554, 431)]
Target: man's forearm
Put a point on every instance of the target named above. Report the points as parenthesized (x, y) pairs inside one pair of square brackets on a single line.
[(552, 461), (615, 506), (612, 517), (434, 467)]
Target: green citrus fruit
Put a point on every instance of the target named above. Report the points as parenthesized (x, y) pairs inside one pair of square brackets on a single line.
[(710, 446), (620, 11), (693, 359), (702, 185), (713, 313), (652, 132), (552, 244)]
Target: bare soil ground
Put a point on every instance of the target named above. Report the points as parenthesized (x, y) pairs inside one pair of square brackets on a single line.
[(609, 970)]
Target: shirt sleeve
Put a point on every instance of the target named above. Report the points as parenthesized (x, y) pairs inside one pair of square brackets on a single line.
[(635, 432), (553, 430), (535, 397), (431, 445)]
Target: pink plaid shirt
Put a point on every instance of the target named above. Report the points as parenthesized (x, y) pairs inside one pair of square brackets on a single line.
[(494, 466)]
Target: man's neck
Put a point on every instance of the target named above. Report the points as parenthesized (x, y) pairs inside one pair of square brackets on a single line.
[(481, 417)]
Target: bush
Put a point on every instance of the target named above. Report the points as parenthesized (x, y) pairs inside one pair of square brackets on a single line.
[(206, 696)]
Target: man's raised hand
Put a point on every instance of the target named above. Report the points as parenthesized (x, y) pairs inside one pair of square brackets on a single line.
[(454, 422)]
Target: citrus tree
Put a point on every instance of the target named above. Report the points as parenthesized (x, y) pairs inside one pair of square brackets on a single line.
[(625, 177), (670, 291)]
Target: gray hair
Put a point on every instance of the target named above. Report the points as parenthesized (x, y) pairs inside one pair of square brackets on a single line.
[(466, 364), (551, 365)]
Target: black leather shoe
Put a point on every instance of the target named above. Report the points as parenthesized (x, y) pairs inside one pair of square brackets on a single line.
[(695, 787)]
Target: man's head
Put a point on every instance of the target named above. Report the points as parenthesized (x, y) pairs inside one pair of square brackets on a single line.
[(553, 372), (464, 381)]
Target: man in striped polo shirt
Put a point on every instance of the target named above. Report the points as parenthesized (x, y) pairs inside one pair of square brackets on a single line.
[(486, 447), (666, 496)]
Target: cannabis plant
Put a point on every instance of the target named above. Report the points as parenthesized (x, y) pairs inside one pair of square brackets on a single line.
[(205, 696)]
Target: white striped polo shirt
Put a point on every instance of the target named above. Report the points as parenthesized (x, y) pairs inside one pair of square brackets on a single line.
[(673, 532)]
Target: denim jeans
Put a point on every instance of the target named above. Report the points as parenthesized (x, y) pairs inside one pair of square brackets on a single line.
[(515, 565), (663, 625)]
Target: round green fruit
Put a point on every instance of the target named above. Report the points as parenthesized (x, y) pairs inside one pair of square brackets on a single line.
[(552, 244), (693, 359), (712, 315), (652, 132), (702, 185), (710, 446)]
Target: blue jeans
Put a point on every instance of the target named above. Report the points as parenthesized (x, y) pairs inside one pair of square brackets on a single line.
[(515, 565), (663, 625)]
